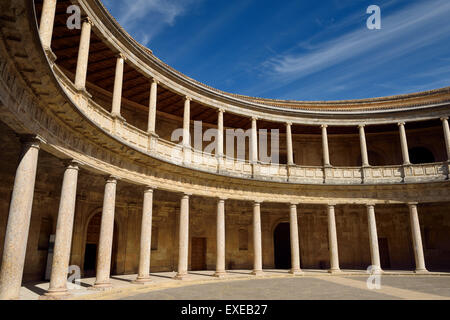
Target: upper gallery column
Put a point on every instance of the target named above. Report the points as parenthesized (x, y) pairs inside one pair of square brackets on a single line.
[(18, 225), (295, 248), (118, 82), (106, 235), (373, 239), (254, 142), (47, 22), (257, 246), (187, 122), (416, 238), (446, 135), (363, 143), (183, 247), (290, 152), (326, 153), (64, 229), (404, 143), (152, 107), (220, 262), (220, 152), (146, 238), (83, 55), (332, 241)]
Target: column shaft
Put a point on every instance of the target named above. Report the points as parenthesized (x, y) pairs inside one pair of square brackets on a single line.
[(257, 246), (18, 225), (152, 107), (220, 152), (187, 122), (363, 143), (64, 230), (404, 143), (290, 151), (332, 240), (118, 83), (254, 142), (373, 239), (146, 237), (220, 262), (47, 22), (106, 235), (446, 136), (295, 248), (326, 154), (417, 239), (83, 55), (183, 238)]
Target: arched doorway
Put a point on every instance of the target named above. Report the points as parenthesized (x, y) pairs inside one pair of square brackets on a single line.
[(91, 246), (419, 155), (282, 246)]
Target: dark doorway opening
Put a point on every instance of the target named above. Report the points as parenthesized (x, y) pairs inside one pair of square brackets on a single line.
[(90, 259), (198, 254), (419, 155), (384, 253), (282, 246)]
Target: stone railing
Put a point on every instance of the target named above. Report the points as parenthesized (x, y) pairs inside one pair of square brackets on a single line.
[(187, 157)]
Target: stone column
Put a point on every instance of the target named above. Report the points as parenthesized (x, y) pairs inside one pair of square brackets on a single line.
[(254, 142), (18, 225), (105, 243), (183, 249), (326, 154), (404, 143), (47, 22), (83, 55), (257, 246), (417, 239), (220, 152), (187, 122), (118, 82), (446, 135), (64, 231), (295, 248), (363, 143), (290, 151), (146, 238), (373, 239), (152, 107), (332, 241), (220, 262)]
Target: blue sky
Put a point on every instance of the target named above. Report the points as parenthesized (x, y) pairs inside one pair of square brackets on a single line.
[(297, 49)]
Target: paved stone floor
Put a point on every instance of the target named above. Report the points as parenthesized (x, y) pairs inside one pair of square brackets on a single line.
[(275, 285)]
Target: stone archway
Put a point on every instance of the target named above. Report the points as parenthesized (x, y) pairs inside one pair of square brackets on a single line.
[(91, 246), (282, 246)]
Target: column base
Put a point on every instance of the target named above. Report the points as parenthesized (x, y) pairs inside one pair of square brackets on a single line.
[(181, 276), (142, 280), (220, 274), (103, 286), (334, 271), (258, 273), (296, 272), (421, 271), (55, 294)]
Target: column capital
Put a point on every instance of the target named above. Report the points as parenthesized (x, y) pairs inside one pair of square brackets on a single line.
[(370, 205), (220, 110), (112, 179), (401, 123), (361, 126), (324, 126), (254, 118), (444, 119), (293, 204), (71, 164), (149, 189), (154, 80), (186, 195), (257, 202), (331, 205), (187, 98), (121, 55), (88, 20), (288, 123), (412, 204), (222, 199), (33, 141)]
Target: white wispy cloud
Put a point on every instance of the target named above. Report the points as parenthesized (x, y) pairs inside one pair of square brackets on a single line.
[(402, 32)]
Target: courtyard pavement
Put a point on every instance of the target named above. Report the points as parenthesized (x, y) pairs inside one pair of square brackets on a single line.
[(274, 285)]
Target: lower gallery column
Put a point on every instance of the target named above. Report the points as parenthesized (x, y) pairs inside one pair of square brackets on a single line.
[(64, 229), (183, 238), (16, 236), (417, 239), (220, 263), (146, 238), (295, 248), (373, 239), (106, 236), (257, 247), (332, 241)]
